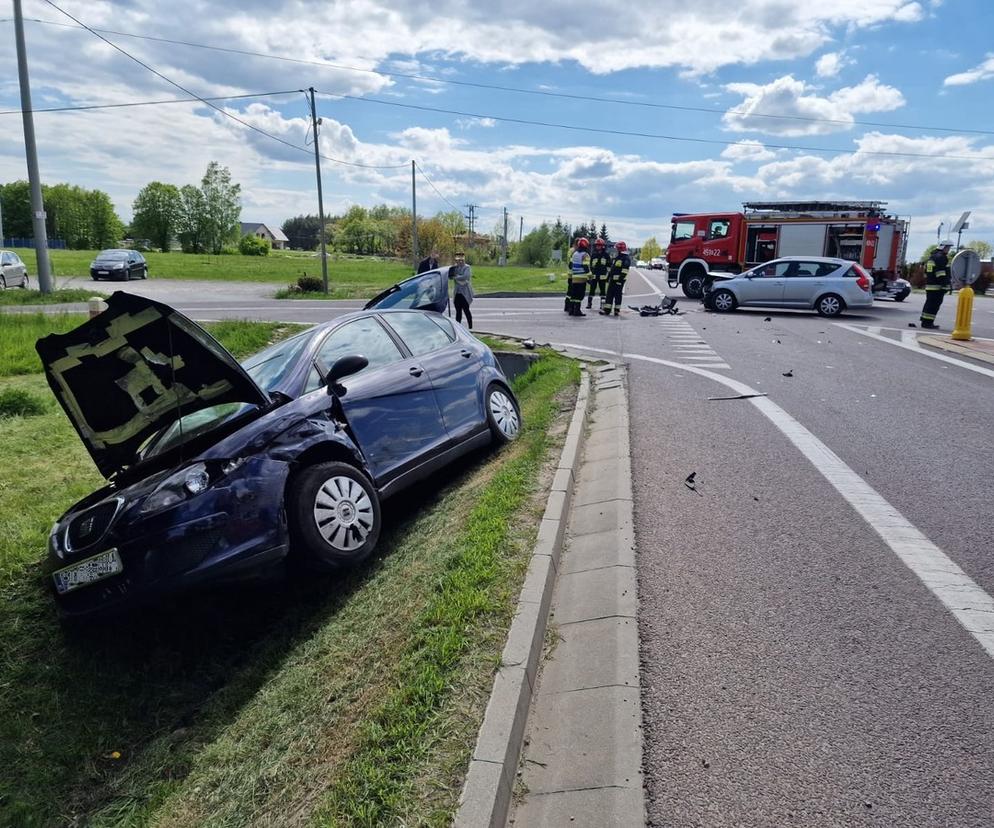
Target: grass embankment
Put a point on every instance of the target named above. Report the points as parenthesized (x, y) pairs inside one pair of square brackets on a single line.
[(16, 296), (349, 278), (324, 702)]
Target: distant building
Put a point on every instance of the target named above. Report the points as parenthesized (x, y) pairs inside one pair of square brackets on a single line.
[(276, 238)]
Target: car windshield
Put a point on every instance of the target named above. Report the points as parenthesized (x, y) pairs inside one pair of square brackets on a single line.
[(192, 425), (113, 255), (272, 365)]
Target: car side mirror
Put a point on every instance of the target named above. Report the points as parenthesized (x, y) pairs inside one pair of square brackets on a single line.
[(344, 367)]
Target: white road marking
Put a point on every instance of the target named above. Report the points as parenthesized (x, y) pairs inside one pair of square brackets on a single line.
[(987, 372), (907, 337), (874, 329), (958, 592)]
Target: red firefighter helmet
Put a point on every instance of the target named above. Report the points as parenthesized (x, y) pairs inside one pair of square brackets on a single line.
[(621, 247), (599, 243), (582, 244)]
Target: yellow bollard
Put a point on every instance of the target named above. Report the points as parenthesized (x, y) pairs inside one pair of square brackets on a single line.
[(964, 315)]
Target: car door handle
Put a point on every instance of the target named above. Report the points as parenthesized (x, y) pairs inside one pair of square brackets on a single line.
[(416, 370), (466, 353)]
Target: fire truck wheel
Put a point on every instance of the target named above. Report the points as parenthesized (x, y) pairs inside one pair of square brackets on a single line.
[(693, 282), (723, 301), (830, 305)]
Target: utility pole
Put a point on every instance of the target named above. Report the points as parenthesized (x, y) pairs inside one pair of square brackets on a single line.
[(521, 229), (503, 242), (472, 218), (414, 217), (31, 151), (315, 123), (1, 222)]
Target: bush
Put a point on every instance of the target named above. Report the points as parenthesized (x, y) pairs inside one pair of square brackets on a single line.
[(310, 284), (253, 246), (17, 403)]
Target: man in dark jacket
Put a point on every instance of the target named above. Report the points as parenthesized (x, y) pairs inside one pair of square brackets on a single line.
[(936, 283), (616, 278), (600, 262), (430, 262)]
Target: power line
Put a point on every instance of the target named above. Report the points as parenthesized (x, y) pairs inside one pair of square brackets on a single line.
[(633, 134), (87, 107), (437, 191), (524, 91), (207, 102)]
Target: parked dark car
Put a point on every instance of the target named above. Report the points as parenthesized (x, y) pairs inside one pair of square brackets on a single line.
[(119, 264), (218, 470), (13, 272)]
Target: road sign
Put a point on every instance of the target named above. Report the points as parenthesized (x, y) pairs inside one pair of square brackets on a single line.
[(965, 268)]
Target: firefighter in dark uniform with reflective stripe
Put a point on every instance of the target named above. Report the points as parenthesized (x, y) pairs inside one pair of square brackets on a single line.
[(600, 263), (616, 278), (937, 283), (579, 271)]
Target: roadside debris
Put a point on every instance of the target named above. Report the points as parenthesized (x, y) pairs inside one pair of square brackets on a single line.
[(529, 344), (789, 373), (666, 306), (768, 319), (689, 482), (912, 325), (738, 397)]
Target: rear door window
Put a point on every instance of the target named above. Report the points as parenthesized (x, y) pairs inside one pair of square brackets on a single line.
[(420, 333)]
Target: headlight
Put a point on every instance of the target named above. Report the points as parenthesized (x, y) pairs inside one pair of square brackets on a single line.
[(185, 483), (119, 266)]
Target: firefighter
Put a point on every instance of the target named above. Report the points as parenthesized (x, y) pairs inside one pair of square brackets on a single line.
[(600, 263), (579, 270), (937, 283), (616, 279)]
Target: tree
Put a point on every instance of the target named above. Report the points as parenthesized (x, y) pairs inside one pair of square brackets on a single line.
[(536, 247), (984, 249), (157, 211), (561, 236), (603, 236), (104, 225), (651, 249), (222, 207), (253, 246), (16, 200), (928, 252), (303, 231), (192, 221), (453, 221)]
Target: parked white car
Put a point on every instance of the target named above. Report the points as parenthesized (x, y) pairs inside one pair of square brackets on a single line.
[(13, 272), (641, 263)]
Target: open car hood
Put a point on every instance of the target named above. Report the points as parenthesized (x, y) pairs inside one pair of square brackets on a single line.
[(135, 369), (426, 291)]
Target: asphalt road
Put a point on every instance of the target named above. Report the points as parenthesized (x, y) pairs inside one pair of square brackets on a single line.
[(796, 670)]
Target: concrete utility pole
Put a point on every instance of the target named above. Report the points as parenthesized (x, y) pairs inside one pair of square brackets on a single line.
[(1, 222), (503, 242), (414, 216), (315, 123), (521, 228), (34, 178)]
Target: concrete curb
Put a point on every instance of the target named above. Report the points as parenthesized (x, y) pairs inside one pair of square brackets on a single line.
[(961, 348), (486, 794)]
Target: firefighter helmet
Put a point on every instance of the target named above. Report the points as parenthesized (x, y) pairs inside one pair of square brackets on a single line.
[(582, 244), (599, 243), (621, 247), (946, 243)]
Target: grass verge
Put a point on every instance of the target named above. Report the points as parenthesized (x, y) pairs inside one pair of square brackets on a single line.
[(349, 278), (274, 705), (56, 297)]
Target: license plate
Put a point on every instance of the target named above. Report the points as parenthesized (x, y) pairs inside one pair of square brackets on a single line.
[(86, 572), (103, 273)]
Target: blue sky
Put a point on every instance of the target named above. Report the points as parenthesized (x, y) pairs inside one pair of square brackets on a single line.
[(836, 66)]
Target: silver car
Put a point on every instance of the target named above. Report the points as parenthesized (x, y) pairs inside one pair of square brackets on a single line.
[(13, 272), (826, 285)]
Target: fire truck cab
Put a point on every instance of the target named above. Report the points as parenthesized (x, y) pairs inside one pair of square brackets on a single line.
[(860, 231)]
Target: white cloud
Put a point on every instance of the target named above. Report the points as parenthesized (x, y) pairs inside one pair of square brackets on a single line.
[(830, 64), (980, 72), (748, 150), (790, 98)]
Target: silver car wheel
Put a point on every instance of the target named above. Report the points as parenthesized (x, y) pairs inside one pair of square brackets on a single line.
[(724, 301), (343, 513), (504, 414), (829, 306)]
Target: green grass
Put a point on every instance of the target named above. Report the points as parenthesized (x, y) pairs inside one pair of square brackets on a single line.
[(312, 701), (16, 402), (56, 297), (349, 278)]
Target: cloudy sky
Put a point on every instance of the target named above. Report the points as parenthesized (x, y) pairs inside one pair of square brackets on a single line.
[(703, 105)]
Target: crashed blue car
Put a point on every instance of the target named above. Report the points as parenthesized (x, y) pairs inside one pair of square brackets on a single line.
[(219, 471)]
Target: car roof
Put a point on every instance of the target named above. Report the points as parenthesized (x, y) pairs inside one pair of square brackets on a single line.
[(812, 259)]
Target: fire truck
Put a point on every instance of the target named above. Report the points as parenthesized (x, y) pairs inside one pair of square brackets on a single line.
[(860, 231)]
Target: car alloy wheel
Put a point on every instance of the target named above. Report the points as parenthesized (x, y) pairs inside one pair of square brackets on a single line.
[(830, 305), (723, 301), (334, 517), (502, 415)]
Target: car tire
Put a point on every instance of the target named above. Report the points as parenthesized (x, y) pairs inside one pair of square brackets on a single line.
[(334, 516), (503, 414), (145, 272), (3, 282), (830, 305), (693, 282), (723, 300), (900, 297)]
